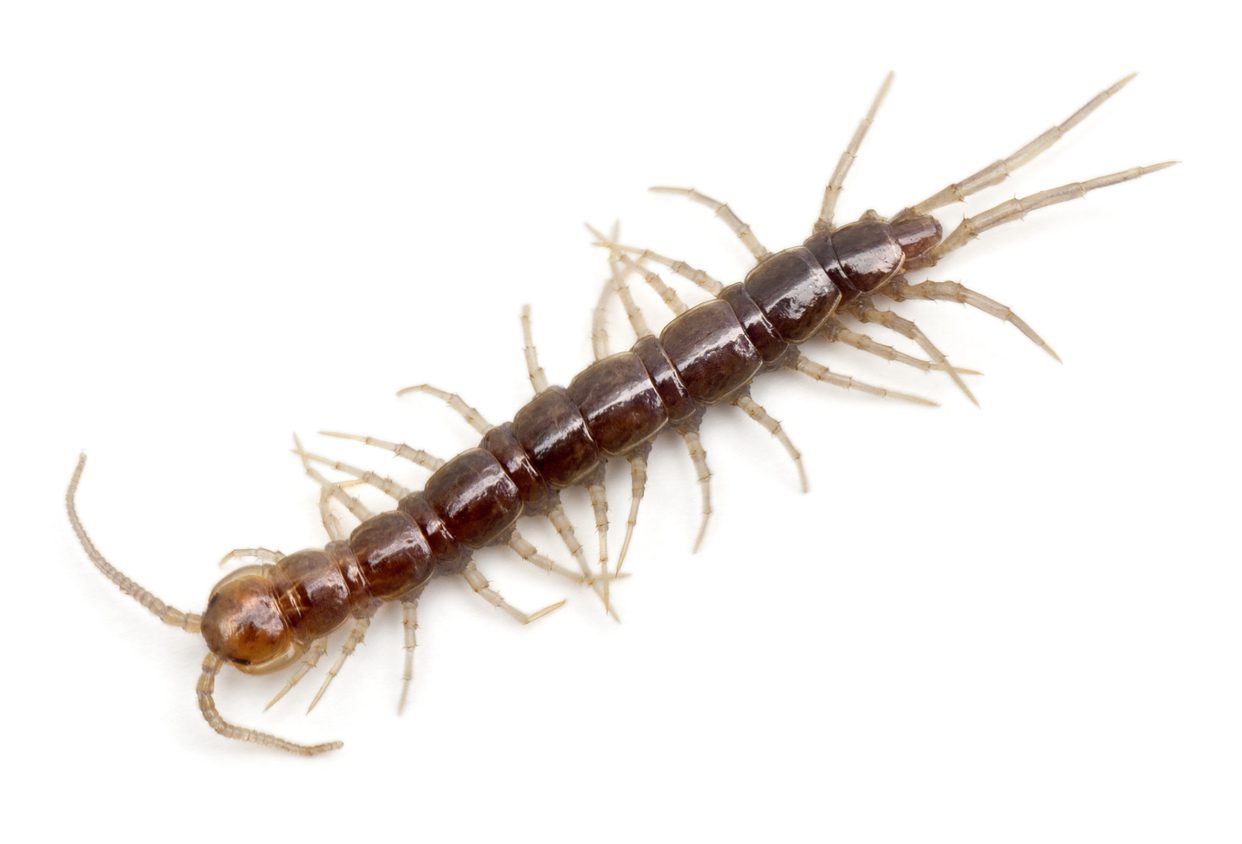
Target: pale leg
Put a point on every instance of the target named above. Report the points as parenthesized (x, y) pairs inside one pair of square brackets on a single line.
[(725, 213), (484, 590), (698, 456), (951, 291), (824, 375), (356, 634), (865, 313), (409, 623), (998, 171), (756, 412), (470, 414), (833, 190)]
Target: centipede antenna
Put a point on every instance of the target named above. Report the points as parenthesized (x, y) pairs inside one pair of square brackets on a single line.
[(951, 291), (757, 412), (470, 414), (171, 616), (835, 332), (356, 634), (998, 171), (335, 490), (638, 487), (207, 705), (409, 623), (833, 189), (698, 456), (725, 213), (414, 455), (267, 555), (1016, 209), (538, 378), (309, 660), (385, 485), (824, 375), (640, 254), (484, 590), (906, 328)]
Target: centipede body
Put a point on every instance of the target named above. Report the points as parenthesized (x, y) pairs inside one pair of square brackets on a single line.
[(277, 613)]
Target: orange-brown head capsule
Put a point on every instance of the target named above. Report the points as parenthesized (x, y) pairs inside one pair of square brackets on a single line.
[(243, 622)]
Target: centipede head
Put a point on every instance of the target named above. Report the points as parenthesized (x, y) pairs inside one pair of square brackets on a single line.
[(243, 623)]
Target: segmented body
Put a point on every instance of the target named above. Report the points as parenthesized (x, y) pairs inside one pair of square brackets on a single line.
[(265, 617)]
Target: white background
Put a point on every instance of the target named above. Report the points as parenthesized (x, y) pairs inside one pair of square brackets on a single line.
[(221, 223)]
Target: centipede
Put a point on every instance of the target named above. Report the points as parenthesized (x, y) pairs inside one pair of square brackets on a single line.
[(277, 612)]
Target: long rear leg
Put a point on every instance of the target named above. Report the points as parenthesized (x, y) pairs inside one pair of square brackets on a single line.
[(1016, 209), (998, 171), (833, 189)]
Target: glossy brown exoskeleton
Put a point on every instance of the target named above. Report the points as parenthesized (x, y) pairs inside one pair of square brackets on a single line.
[(268, 616)]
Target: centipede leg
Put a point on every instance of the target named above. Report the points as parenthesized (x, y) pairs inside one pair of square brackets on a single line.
[(725, 213), (470, 414), (405, 452), (538, 379), (640, 254), (331, 524), (484, 590), (1018, 208), (756, 412), (599, 326), (385, 485), (267, 555), (824, 375), (835, 332), (524, 549), (334, 490), (595, 486), (309, 660), (565, 530), (866, 313), (900, 290), (666, 293), (599, 505), (833, 189), (698, 456), (356, 634), (409, 623), (638, 487), (998, 171), (207, 705)]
